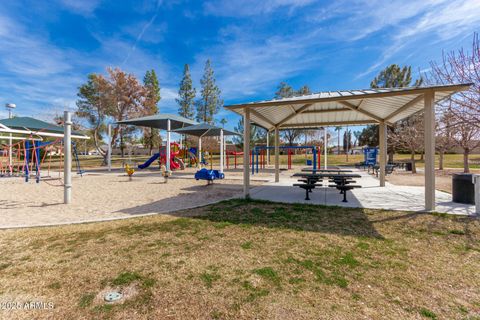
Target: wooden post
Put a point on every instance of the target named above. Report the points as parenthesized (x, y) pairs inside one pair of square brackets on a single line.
[(382, 129), (246, 153), (277, 155), (429, 120), (325, 147)]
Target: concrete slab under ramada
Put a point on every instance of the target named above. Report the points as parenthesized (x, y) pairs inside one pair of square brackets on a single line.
[(390, 197)]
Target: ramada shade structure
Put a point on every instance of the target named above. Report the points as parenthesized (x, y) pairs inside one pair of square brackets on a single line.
[(350, 107), (163, 121), (205, 130)]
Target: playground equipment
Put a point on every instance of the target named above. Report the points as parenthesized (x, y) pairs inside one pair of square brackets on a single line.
[(258, 156), (209, 175), (175, 162), (192, 157), (30, 129), (234, 154), (32, 156), (130, 171), (206, 130)]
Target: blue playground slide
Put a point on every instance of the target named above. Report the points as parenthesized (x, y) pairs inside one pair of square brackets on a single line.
[(149, 161)]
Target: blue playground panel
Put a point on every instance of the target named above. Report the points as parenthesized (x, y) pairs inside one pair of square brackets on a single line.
[(209, 175)]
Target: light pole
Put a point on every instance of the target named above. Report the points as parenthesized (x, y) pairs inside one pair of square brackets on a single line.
[(10, 107)]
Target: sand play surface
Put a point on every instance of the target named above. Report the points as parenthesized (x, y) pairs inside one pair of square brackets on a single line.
[(102, 196)]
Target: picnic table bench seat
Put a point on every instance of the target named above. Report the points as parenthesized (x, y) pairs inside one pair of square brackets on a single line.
[(307, 187), (344, 188)]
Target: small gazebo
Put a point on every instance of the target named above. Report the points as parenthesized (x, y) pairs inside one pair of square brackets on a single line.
[(208, 130), (350, 107)]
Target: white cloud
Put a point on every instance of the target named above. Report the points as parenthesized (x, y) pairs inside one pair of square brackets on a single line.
[(434, 21), (236, 8), (83, 7), (245, 65), (355, 20)]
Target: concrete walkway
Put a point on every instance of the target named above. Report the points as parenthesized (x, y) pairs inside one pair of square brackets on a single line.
[(371, 196)]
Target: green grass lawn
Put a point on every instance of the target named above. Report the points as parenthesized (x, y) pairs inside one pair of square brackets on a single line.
[(246, 259)]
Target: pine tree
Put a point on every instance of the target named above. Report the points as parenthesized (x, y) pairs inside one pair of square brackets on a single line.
[(394, 77), (210, 102), (151, 136), (186, 95), (284, 90)]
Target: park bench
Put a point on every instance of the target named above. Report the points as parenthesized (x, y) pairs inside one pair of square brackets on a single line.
[(388, 169), (361, 164)]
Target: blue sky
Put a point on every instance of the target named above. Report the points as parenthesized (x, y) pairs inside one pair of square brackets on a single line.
[(48, 47)]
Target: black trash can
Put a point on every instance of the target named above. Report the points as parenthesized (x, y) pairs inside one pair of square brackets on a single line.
[(408, 166), (463, 189)]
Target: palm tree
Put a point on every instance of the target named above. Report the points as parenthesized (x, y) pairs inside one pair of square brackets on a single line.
[(338, 136), (223, 122)]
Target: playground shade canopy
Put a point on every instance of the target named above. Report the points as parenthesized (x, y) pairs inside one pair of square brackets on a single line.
[(348, 107), (32, 126), (204, 130), (160, 121)]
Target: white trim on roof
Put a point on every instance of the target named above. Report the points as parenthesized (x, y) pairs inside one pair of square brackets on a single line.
[(6, 129)]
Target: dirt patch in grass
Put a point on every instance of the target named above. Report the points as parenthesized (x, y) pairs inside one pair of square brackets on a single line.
[(249, 259), (443, 179)]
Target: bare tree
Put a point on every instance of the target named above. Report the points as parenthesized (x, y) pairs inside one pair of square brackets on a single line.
[(466, 133), (117, 97), (444, 140), (409, 136), (461, 67)]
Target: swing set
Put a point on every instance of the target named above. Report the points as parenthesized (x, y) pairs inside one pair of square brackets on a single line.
[(31, 157)]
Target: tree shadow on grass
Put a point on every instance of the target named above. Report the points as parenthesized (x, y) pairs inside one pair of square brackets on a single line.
[(299, 217), (296, 216)]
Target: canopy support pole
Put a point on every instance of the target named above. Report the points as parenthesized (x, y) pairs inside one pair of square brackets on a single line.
[(167, 153), (67, 165), (199, 157), (221, 150), (429, 120), (382, 130), (277, 155), (268, 150), (109, 150), (246, 154), (325, 147)]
